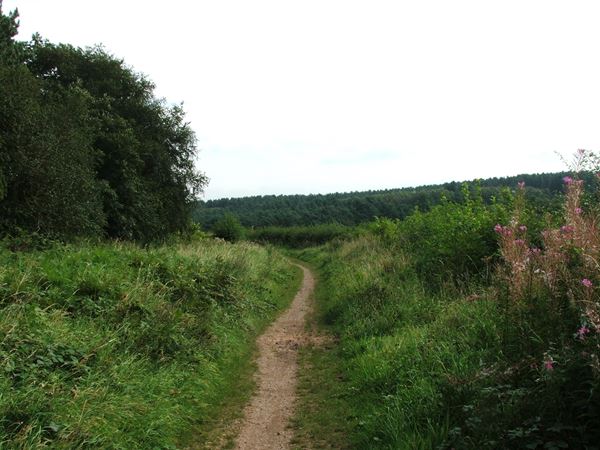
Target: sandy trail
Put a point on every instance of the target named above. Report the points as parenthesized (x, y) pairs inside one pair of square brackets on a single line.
[(266, 417)]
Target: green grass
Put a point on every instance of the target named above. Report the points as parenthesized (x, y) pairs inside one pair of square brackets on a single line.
[(238, 386), (114, 346), (399, 350), (416, 368), (322, 419)]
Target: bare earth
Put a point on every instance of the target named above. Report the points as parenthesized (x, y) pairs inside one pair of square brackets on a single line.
[(266, 417)]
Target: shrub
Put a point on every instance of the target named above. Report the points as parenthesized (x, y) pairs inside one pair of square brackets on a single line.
[(300, 236), (228, 228), (551, 308), (452, 241)]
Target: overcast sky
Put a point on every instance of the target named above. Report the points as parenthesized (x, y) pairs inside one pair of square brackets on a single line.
[(324, 96)]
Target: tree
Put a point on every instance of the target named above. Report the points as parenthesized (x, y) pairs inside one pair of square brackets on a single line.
[(85, 146)]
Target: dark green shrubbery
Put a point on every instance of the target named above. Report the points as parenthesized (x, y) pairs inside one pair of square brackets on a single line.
[(300, 236), (228, 228), (452, 241)]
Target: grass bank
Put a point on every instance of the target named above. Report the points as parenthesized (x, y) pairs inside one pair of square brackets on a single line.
[(114, 346), (416, 368)]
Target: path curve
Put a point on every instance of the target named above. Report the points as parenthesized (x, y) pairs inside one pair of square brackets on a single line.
[(266, 417)]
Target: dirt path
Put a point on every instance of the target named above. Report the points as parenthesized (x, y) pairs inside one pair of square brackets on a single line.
[(266, 417)]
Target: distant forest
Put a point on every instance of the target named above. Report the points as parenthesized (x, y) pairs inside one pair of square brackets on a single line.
[(357, 207)]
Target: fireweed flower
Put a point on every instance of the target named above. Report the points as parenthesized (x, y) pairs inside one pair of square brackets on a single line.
[(519, 241), (567, 180), (582, 332), (498, 228), (549, 365), (578, 210), (523, 228), (587, 283)]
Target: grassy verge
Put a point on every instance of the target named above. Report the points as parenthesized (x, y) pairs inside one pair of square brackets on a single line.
[(322, 419), (388, 382), (113, 346), (422, 368), (218, 429)]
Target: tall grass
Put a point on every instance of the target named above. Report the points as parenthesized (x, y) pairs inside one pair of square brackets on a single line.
[(403, 349), (114, 346)]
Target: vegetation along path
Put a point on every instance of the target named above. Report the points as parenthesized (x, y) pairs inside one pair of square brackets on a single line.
[(266, 417)]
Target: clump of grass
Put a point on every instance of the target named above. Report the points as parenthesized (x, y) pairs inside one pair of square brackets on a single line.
[(115, 346)]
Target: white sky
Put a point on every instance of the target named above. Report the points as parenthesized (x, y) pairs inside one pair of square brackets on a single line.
[(324, 96)]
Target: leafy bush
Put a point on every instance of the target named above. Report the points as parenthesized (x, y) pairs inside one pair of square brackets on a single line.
[(452, 241), (299, 236), (228, 228)]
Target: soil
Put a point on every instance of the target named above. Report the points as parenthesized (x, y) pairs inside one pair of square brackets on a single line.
[(266, 418)]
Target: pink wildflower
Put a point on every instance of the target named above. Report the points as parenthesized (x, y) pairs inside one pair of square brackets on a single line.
[(567, 229), (534, 251), (498, 228), (578, 210), (583, 330), (568, 180), (587, 283), (549, 365), (519, 241), (523, 228)]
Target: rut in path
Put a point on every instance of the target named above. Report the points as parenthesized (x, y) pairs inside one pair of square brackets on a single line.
[(266, 417)]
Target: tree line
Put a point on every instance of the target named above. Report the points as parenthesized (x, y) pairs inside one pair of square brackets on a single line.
[(353, 208), (86, 148)]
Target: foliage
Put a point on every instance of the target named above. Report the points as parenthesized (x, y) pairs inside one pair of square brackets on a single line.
[(114, 346), (228, 228), (86, 149), (402, 349), (453, 241), (353, 208), (297, 237), (508, 362)]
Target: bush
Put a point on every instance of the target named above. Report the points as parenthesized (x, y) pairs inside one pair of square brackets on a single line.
[(452, 241), (228, 228), (300, 236)]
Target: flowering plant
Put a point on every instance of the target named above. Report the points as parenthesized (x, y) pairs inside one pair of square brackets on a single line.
[(564, 272)]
